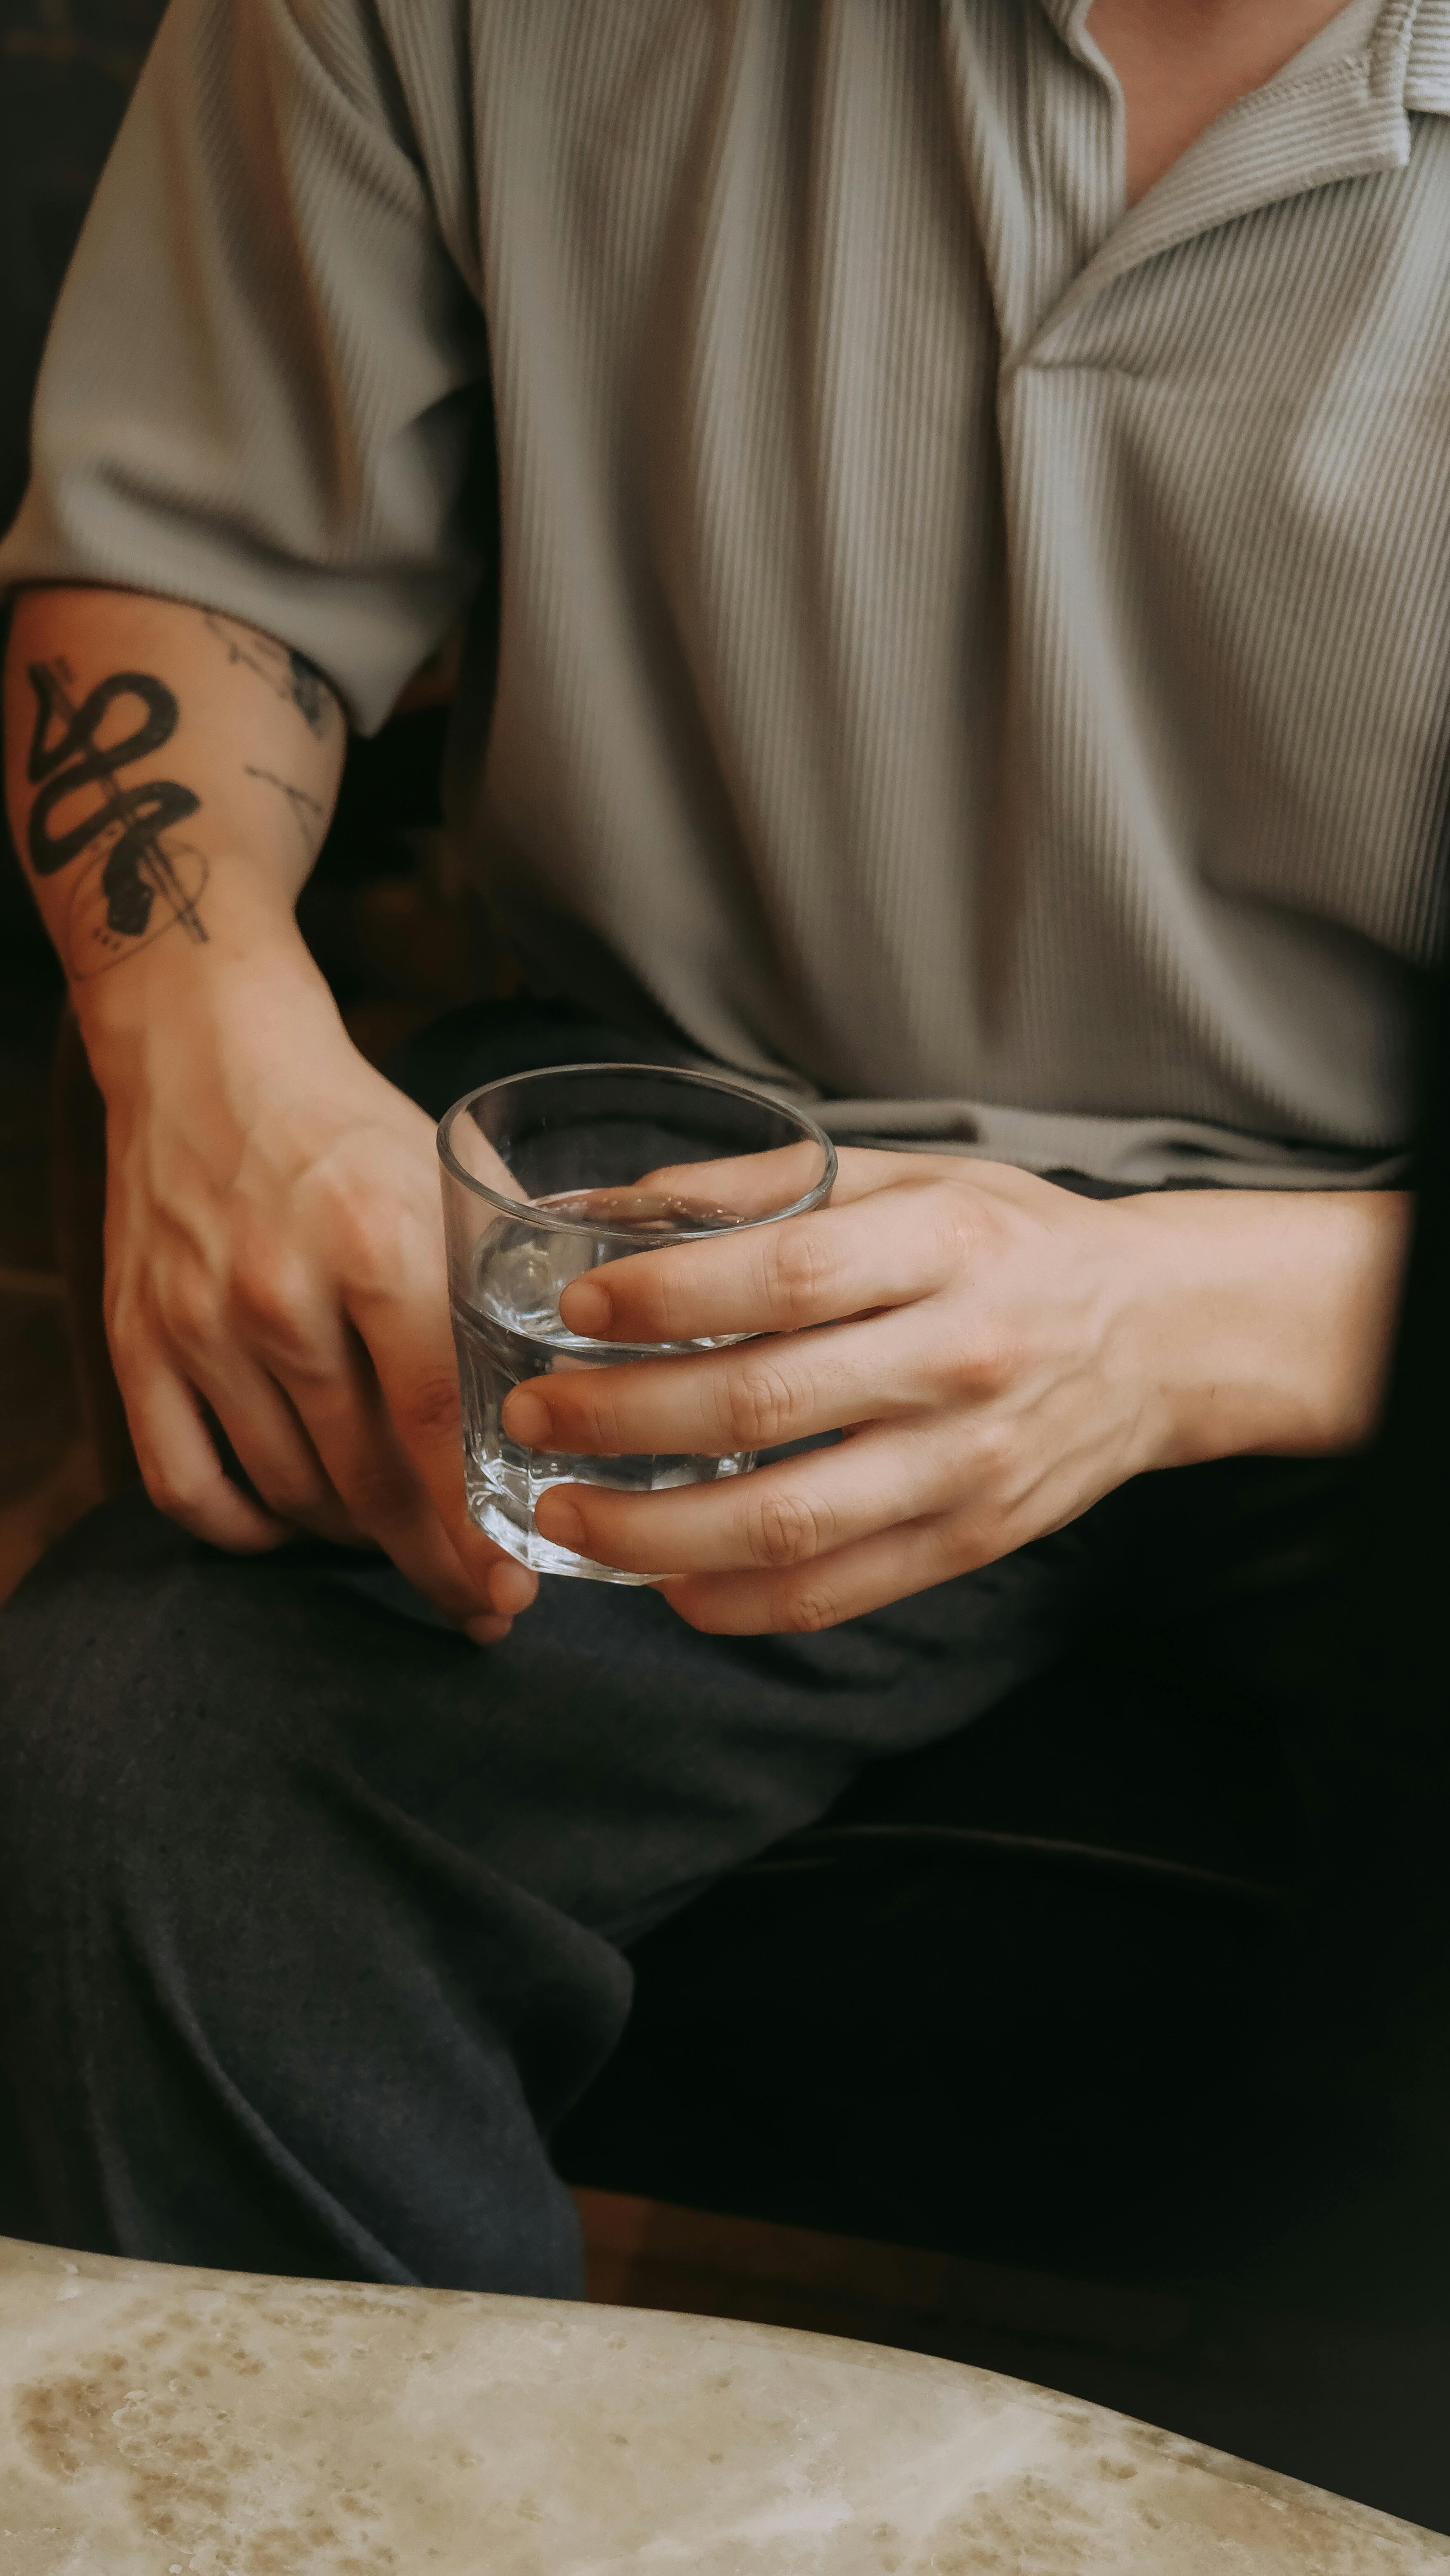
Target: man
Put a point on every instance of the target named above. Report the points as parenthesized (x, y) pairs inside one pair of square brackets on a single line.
[(973, 534)]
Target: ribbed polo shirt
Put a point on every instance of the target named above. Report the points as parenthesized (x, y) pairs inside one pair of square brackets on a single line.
[(969, 651)]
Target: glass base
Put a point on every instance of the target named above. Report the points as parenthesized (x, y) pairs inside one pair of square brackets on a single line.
[(524, 1543), (540, 1554), (504, 1485)]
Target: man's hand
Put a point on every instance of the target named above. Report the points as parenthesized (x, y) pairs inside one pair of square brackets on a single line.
[(998, 1352), (274, 1243), (274, 1258)]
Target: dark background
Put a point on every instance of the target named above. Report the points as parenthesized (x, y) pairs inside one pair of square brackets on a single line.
[(67, 68), (66, 71)]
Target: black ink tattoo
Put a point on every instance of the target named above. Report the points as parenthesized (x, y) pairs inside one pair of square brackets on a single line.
[(307, 811), (137, 871), (287, 674), (310, 692)]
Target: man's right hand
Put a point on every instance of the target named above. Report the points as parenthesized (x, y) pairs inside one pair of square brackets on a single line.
[(274, 1233), (274, 1259)]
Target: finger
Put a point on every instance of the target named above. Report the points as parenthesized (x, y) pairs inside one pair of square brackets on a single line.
[(345, 1410), (273, 1449), (224, 1509), (746, 1185), (489, 1630), (417, 1377), (302, 1409), (758, 1395), (781, 1516), (376, 1382), (843, 1585), (777, 1278), (181, 1470), (756, 1185)]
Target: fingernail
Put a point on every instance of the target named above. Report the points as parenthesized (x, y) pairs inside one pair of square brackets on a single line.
[(511, 1588), (586, 1308), (486, 1631), (561, 1521), (526, 1419)]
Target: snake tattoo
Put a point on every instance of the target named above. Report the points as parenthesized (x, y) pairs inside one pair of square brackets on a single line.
[(65, 757)]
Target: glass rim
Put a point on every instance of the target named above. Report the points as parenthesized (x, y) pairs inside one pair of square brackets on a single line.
[(631, 1235)]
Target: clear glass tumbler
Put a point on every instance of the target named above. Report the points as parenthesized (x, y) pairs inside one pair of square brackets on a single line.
[(600, 1160)]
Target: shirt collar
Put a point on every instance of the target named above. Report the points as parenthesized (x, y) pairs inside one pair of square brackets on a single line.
[(1348, 118), (1427, 70), (1426, 65), (1067, 16)]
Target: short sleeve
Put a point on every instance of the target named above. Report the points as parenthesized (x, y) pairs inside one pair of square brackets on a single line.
[(266, 376)]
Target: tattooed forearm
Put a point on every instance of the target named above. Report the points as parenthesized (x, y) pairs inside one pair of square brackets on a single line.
[(288, 675), (133, 885), (308, 812)]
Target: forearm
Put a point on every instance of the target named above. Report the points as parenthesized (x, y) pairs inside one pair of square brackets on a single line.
[(170, 776), (1268, 1316)]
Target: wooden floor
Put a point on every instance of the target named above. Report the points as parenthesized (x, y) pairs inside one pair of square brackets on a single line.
[(649, 2254)]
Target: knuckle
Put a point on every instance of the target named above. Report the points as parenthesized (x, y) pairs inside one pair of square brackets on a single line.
[(126, 1336), (267, 1293), (948, 1243), (190, 1312), (806, 1611), (700, 1609), (758, 1403), (973, 1544), (292, 1493), (947, 1212), (798, 1273), (993, 1453), (431, 1408), (377, 1493), (363, 1229), (946, 1546), (388, 1240), (663, 1302), (986, 1365), (181, 1498), (585, 1403), (784, 1529)]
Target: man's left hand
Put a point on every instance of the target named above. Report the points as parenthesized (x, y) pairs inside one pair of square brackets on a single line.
[(997, 1351)]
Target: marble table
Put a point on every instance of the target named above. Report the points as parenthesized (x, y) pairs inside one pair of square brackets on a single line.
[(158, 2422)]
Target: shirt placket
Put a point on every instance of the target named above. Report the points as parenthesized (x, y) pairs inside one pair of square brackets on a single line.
[(1345, 120), (1039, 122), (1079, 163)]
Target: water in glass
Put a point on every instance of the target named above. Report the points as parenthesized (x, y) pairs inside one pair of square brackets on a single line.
[(508, 1328)]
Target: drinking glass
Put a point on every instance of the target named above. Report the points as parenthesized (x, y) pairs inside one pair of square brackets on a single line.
[(601, 1160)]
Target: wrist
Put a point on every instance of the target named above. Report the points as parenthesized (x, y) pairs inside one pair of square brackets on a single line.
[(252, 969), (1263, 1321)]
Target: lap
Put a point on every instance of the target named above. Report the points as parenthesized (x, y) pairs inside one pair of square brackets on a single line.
[(605, 1756), (276, 1804)]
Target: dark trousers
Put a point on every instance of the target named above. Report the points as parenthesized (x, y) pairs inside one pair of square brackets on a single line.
[(315, 1918)]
